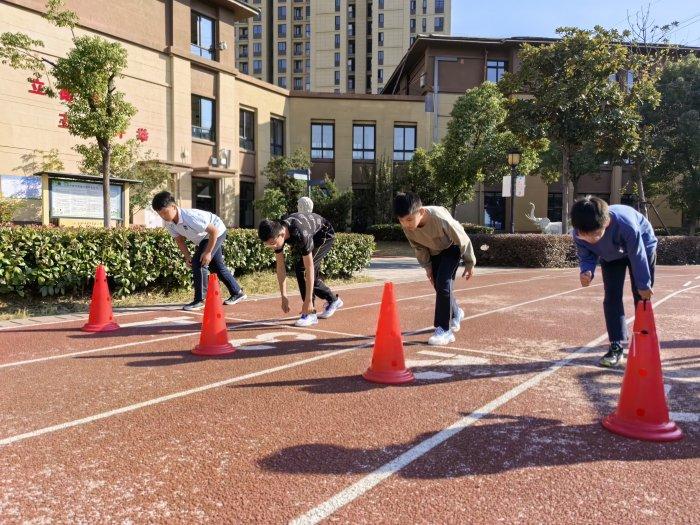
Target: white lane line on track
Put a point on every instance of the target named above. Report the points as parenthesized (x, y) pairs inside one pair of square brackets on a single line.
[(373, 479), (686, 417), (688, 283), (83, 317)]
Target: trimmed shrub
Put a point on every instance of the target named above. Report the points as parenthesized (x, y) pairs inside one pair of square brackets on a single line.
[(524, 250), (54, 261), (393, 232), (678, 250)]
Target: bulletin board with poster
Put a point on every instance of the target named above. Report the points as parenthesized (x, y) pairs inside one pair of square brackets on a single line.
[(77, 199)]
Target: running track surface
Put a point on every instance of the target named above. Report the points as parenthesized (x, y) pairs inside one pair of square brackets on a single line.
[(502, 426)]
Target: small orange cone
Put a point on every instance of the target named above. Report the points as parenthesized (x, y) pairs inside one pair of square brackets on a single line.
[(642, 412), (213, 340), (101, 318), (388, 365)]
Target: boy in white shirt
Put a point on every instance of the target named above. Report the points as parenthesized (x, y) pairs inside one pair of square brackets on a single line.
[(208, 233)]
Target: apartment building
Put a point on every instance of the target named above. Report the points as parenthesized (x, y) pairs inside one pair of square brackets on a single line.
[(214, 126), (334, 46)]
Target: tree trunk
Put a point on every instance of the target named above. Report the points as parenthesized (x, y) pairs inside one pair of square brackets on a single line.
[(640, 190), (454, 206), (106, 159), (565, 190)]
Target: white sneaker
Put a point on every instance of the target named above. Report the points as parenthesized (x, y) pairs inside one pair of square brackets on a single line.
[(456, 321), (441, 337), (308, 320), (331, 308)]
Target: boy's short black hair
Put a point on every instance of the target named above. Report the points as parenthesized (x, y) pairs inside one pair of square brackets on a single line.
[(589, 214), (406, 204), (269, 229), (162, 200)]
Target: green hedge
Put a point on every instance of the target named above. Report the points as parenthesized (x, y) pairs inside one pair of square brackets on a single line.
[(559, 251), (54, 261), (393, 232)]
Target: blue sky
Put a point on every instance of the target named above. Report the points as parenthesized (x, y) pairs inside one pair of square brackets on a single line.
[(498, 18)]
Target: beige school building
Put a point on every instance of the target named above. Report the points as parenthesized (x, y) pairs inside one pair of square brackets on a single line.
[(217, 128)]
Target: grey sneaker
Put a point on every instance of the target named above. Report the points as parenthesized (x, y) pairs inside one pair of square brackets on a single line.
[(307, 320), (237, 298), (456, 321), (194, 305), (612, 358), (331, 308), (441, 337)]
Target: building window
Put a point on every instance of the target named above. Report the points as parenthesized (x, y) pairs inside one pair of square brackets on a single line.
[(246, 130), (554, 207), (282, 12), (381, 19), (363, 142), (257, 31), (412, 25), (336, 80), (351, 48), (351, 65), (404, 142), (380, 38), (298, 13), (495, 69), (277, 137), (424, 25), (257, 49), (298, 83), (282, 82), (307, 48), (380, 75), (439, 6), (337, 23), (337, 6), (245, 199), (381, 4), (308, 12), (411, 40), (351, 84), (413, 7), (351, 29), (425, 6), (308, 30), (243, 51), (298, 31), (298, 66), (351, 11), (322, 136), (282, 30), (202, 37), (243, 33), (298, 49), (439, 23), (337, 41), (282, 65), (281, 48), (203, 118), (244, 67), (257, 67), (307, 84), (336, 60), (494, 210), (369, 28)]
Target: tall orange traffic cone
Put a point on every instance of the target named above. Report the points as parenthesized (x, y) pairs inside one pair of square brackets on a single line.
[(101, 318), (642, 412), (213, 340), (388, 365)]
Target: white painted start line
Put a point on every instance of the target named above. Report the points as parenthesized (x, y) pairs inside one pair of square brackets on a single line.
[(162, 321), (373, 479)]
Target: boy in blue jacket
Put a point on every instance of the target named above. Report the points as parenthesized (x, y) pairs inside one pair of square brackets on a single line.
[(619, 237)]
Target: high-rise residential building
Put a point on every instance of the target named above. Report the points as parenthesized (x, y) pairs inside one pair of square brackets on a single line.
[(341, 46)]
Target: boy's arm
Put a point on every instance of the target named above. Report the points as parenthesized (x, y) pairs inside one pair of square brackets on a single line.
[(637, 254), (180, 241), (422, 253), (455, 231), (207, 253), (282, 280), (587, 261), (310, 275)]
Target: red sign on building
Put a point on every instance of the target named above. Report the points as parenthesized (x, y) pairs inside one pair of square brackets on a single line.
[(142, 134), (37, 87), (63, 121)]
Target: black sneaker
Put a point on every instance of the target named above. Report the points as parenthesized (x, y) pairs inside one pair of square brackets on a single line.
[(194, 305), (612, 357), (237, 298)]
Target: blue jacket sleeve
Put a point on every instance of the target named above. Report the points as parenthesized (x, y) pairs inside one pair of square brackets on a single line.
[(637, 254), (587, 260)]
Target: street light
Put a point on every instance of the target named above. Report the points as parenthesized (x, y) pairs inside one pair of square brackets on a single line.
[(513, 161)]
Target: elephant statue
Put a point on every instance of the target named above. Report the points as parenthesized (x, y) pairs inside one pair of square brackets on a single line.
[(305, 205), (543, 223)]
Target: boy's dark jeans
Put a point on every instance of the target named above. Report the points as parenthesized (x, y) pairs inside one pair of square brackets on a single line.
[(217, 266), (322, 247), (444, 266), (613, 283)]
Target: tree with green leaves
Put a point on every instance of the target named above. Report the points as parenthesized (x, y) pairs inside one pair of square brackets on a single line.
[(276, 173), (475, 148), (676, 138), (418, 176), (272, 205), (128, 161), (573, 100), (88, 74), (333, 204)]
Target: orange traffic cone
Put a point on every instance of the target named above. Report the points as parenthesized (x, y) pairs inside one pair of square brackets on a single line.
[(101, 318), (642, 412), (214, 338), (388, 365)]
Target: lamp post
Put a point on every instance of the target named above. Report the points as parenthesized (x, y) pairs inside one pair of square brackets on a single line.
[(513, 161)]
